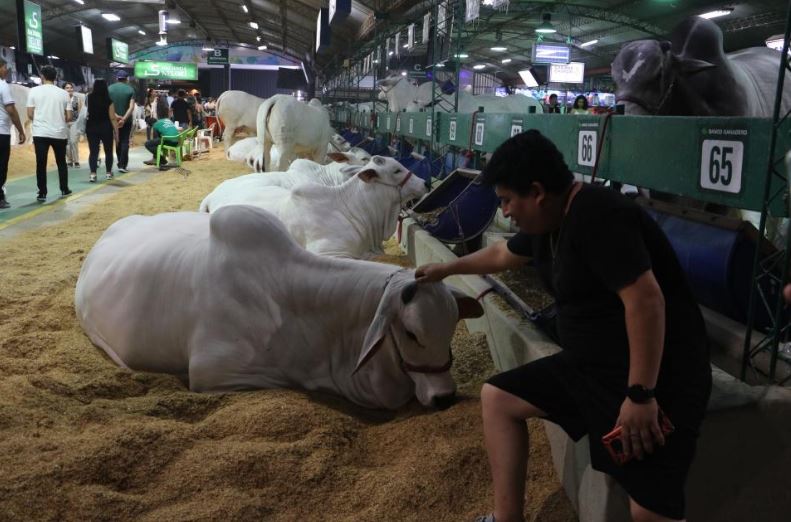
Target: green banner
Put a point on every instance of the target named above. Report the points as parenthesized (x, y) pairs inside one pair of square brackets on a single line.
[(166, 71), (120, 51), (34, 36), (217, 57)]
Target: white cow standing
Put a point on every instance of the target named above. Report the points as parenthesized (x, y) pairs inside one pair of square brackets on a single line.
[(232, 302), (20, 94), (348, 220), (237, 112), (287, 128)]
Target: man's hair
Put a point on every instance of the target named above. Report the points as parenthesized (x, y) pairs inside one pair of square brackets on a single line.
[(182, 93), (49, 73), (525, 159), (553, 95)]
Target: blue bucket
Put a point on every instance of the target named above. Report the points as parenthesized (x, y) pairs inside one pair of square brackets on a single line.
[(459, 209)]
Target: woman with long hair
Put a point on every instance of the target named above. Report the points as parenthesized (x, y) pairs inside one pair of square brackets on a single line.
[(150, 111), (580, 105), (72, 147), (101, 127)]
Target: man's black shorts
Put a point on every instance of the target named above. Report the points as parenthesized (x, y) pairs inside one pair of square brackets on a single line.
[(579, 403)]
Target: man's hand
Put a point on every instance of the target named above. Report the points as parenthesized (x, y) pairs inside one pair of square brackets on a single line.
[(22, 136), (431, 273), (640, 425)]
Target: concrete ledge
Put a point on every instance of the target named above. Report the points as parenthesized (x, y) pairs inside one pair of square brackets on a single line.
[(744, 452)]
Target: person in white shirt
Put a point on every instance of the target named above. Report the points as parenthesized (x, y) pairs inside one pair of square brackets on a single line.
[(8, 115), (49, 109)]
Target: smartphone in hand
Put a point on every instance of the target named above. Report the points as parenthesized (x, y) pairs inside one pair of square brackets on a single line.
[(612, 441)]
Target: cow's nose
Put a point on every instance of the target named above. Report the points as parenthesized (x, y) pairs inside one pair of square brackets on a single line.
[(443, 402)]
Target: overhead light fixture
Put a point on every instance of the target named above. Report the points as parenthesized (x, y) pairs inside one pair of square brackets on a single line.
[(505, 60), (111, 17), (716, 13), (53, 57), (12, 48), (262, 47), (440, 64), (254, 25), (140, 31), (391, 53), (591, 42), (81, 2), (162, 41), (403, 73), (376, 61), (478, 66), (244, 8), (776, 43), (462, 55), (258, 38), (499, 48), (208, 46), (173, 21), (405, 46), (546, 26)]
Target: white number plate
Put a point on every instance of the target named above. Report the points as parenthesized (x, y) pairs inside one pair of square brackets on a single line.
[(516, 129), (721, 165), (586, 148), (452, 131), (479, 133), (428, 127)]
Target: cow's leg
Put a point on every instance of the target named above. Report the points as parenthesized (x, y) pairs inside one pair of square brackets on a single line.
[(269, 152), (319, 155), (287, 156), (227, 137)]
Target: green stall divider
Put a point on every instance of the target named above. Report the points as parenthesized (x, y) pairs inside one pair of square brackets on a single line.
[(454, 129)]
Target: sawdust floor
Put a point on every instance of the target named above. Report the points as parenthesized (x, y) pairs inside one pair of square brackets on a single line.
[(22, 161), (81, 439)]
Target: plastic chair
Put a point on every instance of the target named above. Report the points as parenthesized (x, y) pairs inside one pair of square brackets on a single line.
[(204, 141), (175, 144)]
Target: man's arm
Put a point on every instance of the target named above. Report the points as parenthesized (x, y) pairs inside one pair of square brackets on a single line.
[(14, 115), (123, 119), (492, 259), (30, 113), (644, 313)]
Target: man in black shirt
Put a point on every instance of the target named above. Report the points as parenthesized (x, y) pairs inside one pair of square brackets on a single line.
[(632, 335), (180, 110)]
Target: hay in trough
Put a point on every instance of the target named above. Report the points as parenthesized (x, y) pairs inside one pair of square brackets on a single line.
[(81, 439)]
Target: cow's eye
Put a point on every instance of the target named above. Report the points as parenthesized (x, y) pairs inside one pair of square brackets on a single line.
[(411, 336)]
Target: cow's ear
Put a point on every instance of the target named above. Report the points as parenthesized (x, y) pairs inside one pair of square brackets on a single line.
[(469, 308), (374, 340), (665, 45), (690, 66), (368, 175), (338, 156)]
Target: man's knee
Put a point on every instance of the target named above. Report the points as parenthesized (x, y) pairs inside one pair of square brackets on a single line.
[(499, 402)]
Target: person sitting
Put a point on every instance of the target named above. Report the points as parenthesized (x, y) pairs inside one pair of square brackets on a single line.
[(580, 105), (163, 128), (553, 107)]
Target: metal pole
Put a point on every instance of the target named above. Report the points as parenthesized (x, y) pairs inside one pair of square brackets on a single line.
[(775, 331)]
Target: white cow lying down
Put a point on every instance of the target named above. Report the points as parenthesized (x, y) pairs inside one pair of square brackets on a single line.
[(241, 149), (348, 220), (230, 301)]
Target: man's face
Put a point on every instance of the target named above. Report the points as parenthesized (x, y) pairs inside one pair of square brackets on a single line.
[(526, 212), (69, 88)]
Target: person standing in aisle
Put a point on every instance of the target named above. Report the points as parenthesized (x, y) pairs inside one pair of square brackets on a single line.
[(72, 149), (49, 110), (633, 339), (8, 115), (123, 96), (180, 110), (100, 127)]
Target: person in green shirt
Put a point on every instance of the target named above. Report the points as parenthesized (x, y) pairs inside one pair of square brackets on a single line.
[(123, 96), (163, 127)]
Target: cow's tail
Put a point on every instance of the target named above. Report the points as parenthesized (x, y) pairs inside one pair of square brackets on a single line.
[(204, 205), (267, 107), (217, 110)]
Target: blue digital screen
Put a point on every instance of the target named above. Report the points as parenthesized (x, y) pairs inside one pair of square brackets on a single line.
[(545, 53)]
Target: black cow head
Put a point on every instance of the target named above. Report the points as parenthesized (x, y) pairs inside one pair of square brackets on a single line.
[(659, 77)]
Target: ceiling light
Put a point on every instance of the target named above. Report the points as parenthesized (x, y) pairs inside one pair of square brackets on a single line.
[(162, 41), (405, 46), (53, 57), (173, 21), (546, 26), (440, 65), (776, 43), (478, 66), (111, 17), (208, 46), (254, 25), (262, 47), (499, 49), (462, 55), (505, 60), (244, 8), (12, 48), (257, 38), (591, 42), (403, 73), (140, 31), (81, 2), (391, 53), (717, 13)]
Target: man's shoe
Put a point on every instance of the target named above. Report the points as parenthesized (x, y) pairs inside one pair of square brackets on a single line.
[(76, 165), (150, 162), (41, 197), (92, 179), (64, 193), (4, 204), (122, 170), (109, 175)]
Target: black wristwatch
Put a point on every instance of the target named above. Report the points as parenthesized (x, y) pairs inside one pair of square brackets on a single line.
[(640, 394)]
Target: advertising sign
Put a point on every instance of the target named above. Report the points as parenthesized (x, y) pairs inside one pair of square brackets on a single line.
[(166, 71), (119, 51), (323, 29), (572, 72), (86, 37), (217, 57), (34, 35), (545, 53)]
